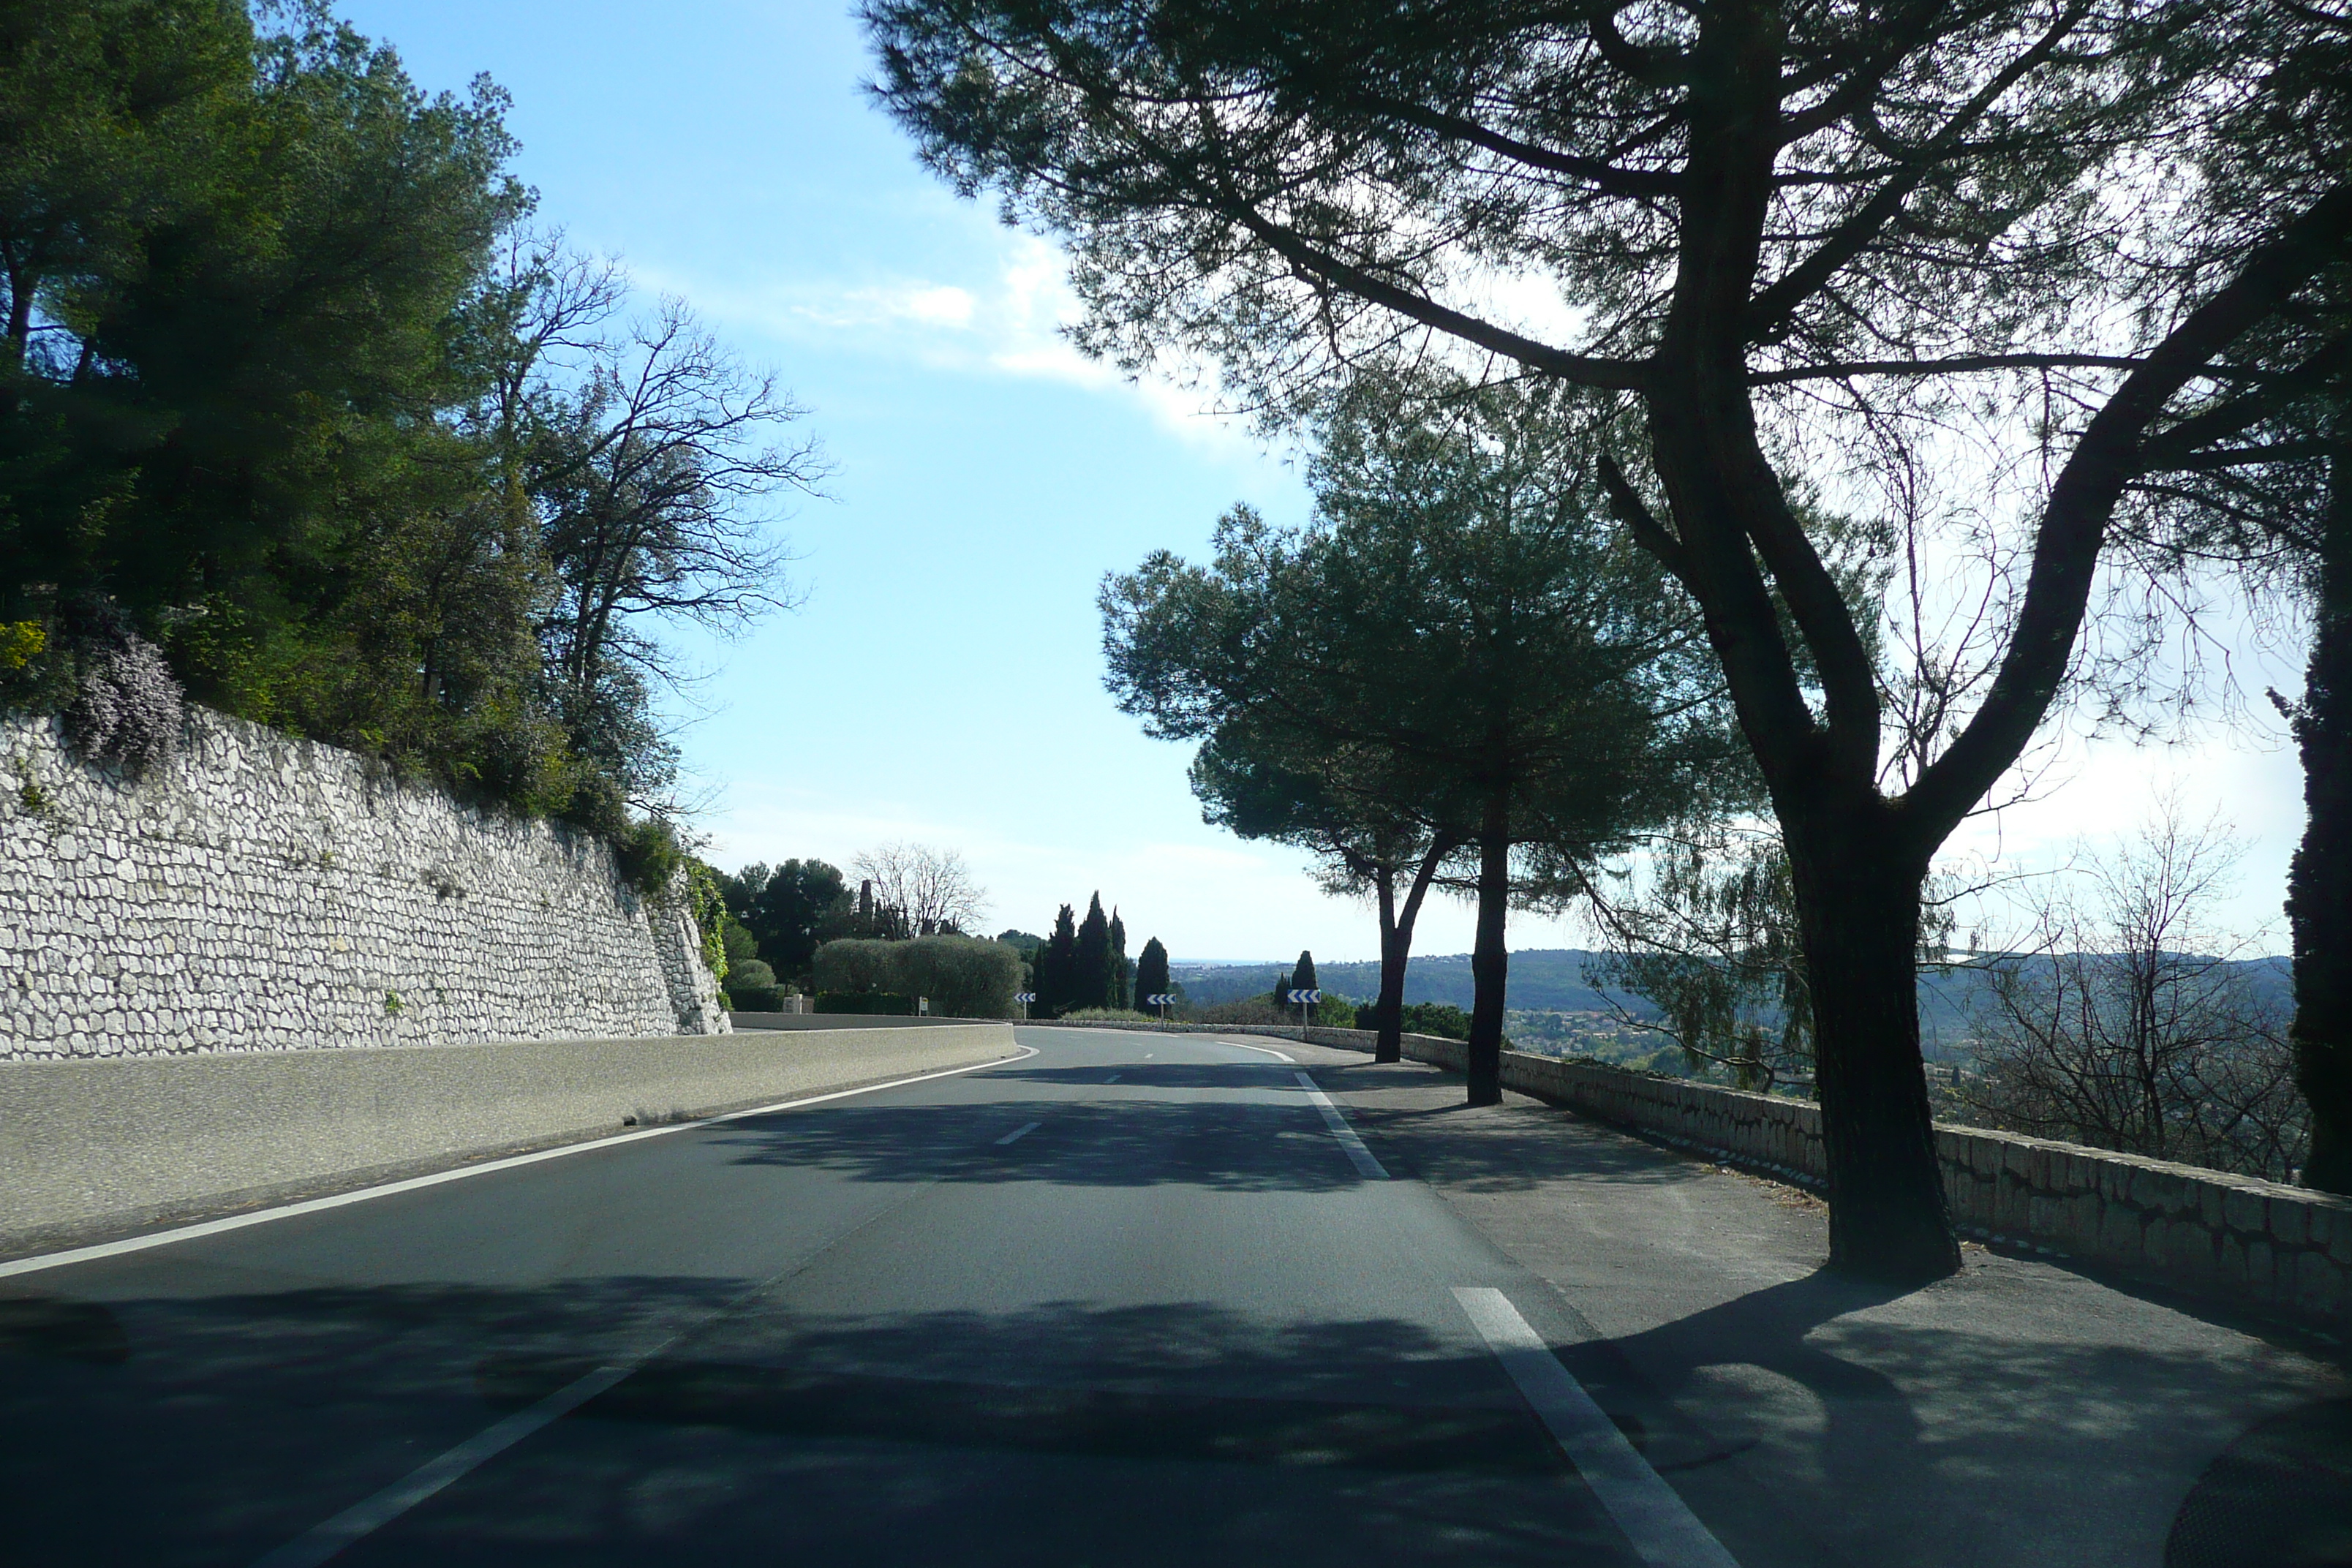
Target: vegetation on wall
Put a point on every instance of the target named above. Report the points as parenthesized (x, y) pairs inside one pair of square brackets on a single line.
[(300, 418)]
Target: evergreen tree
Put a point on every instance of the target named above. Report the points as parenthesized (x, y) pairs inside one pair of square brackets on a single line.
[(1151, 972), (1302, 978), (1091, 984), (1743, 199), (1122, 971), (1057, 968)]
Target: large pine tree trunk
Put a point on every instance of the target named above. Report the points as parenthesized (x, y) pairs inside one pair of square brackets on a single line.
[(1858, 915), (1490, 960), (1388, 1009), (2319, 886), (1396, 950)]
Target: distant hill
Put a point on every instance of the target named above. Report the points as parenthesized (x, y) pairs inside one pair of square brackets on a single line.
[(1542, 979), (1552, 980)]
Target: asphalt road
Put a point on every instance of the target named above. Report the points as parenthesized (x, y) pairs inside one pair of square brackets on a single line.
[(1134, 1300)]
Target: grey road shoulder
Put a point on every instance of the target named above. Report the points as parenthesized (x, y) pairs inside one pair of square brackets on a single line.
[(2018, 1411)]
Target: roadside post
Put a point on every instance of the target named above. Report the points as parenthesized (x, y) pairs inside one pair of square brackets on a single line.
[(1305, 999)]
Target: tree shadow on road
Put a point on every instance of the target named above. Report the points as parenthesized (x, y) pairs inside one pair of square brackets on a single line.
[(1223, 1145)]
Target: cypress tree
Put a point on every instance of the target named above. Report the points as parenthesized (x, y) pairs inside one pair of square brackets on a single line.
[(1151, 972), (1122, 972), (1090, 983), (1057, 967), (1303, 977)]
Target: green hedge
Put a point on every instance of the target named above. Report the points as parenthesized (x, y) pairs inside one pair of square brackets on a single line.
[(964, 977), (869, 1001)]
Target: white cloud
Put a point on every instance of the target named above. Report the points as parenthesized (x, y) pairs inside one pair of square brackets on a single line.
[(1009, 318)]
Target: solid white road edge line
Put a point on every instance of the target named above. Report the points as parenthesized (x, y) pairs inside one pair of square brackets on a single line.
[(1114, 1078), (1269, 1050), (322, 1542), (1019, 1132), (1366, 1166), (1655, 1518), (361, 1194)]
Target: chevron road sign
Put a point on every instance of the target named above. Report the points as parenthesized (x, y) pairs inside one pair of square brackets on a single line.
[(1305, 998)]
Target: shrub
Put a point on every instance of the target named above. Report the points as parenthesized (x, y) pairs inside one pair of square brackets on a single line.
[(865, 1002), (19, 642), (1442, 1019), (964, 977), (127, 707), (750, 974), (852, 964), (754, 998), (649, 854), (1248, 1010)]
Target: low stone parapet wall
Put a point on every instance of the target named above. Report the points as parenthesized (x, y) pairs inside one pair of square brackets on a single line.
[(102, 1147), (2261, 1244)]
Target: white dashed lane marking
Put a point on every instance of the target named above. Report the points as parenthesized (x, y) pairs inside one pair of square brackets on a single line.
[(1655, 1518), (1360, 1157)]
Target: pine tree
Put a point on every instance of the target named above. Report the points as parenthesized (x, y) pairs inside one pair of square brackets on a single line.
[(1090, 984), (1151, 972)]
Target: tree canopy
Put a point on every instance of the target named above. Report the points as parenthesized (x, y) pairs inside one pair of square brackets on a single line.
[(291, 392), (1462, 651)]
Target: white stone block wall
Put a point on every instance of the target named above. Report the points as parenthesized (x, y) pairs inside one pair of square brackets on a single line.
[(263, 893)]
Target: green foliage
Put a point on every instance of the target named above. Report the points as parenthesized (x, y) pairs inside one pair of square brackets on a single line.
[(964, 977), (279, 384), (1713, 943), (884, 1003), (1247, 1010), (1302, 973), (1151, 972), (1091, 981), (649, 856), (791, 909), (1463, 652), (1442, 1019), (32, 799), (19, 642), (706, 904), (1056, 966)]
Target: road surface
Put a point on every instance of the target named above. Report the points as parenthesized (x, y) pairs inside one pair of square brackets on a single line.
[(1134, 1298)]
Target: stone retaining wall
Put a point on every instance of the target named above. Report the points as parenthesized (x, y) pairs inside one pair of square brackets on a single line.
[(261, 893)]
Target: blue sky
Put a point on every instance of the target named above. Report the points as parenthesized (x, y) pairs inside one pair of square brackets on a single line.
[(942, 682)]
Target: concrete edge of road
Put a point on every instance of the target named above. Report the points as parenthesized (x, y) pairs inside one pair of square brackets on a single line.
[(98, 1150)]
